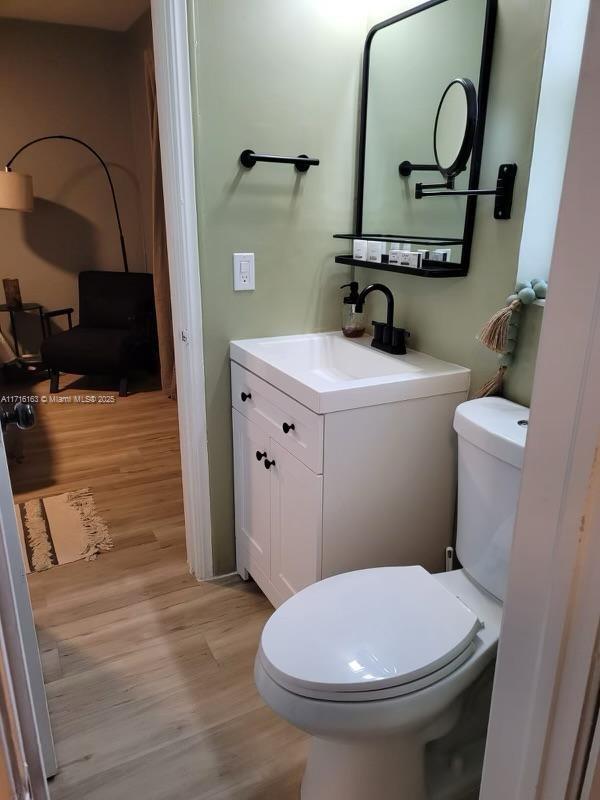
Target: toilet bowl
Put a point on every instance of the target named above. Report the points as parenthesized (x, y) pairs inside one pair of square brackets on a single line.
[(374, 664), (371, 721)]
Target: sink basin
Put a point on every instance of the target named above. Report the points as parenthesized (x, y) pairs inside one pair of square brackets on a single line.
[(327, 372)]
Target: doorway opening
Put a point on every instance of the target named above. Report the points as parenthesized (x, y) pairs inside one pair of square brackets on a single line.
[(87, 341), (87, 333)]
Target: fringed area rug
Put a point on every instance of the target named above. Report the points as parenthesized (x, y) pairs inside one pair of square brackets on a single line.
[(61, 529)]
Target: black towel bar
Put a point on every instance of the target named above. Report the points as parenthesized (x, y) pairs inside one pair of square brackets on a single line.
[(302, 163)]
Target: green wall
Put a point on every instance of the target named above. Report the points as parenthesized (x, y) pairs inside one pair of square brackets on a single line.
[(519, 379), (284, 78), (444, 316)]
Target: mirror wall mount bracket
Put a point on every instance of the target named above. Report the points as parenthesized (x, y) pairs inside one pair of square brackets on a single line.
[(406, 168), (503, 192), (449, 184), (302, 163)]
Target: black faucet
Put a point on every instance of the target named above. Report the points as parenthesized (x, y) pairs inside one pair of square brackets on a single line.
[(385, 336)]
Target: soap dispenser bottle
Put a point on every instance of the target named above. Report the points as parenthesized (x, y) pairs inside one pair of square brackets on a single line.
[(353, 323)]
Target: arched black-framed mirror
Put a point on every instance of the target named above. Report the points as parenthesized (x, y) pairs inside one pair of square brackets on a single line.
[(409, 61)]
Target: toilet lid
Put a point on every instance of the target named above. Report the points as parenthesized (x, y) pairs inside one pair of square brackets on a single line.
[(367, 630)]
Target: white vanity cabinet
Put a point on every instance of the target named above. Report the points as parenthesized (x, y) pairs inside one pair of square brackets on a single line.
[(278, 513), (321, 493)]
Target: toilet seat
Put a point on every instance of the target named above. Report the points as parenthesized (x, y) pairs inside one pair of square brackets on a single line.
[(368, 635), (392, 692)]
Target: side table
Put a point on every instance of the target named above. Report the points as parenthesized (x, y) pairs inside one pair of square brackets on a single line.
[(32, 363)]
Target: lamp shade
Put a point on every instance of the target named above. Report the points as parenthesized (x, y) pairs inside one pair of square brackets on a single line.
[(16, 191)]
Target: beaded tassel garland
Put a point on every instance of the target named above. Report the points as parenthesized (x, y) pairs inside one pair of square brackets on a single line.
[(501, 331)]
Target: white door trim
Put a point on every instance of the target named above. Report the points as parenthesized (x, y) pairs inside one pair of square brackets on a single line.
[(13, 748), (19, 631), (172, 65), (24, 698), (551, 614)]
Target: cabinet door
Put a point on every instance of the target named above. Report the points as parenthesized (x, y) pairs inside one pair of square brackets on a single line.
[(251, 481), (296, 523)]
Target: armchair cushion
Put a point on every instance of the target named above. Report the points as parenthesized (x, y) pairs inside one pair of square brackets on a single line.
[(116, 331), (95, 351), (114, 299)]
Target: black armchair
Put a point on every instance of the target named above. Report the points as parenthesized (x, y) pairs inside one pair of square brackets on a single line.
[(116, 331)]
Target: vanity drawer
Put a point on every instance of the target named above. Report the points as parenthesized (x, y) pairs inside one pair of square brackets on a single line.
[(271, 409)]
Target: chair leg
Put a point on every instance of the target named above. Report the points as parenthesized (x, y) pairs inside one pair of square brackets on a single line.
[(123, 386), (54, 376)]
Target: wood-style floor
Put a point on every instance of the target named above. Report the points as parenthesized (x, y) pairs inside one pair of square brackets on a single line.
[(148, 673)]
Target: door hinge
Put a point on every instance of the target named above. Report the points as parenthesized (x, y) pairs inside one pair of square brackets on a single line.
[(449, 559), (185, 337)]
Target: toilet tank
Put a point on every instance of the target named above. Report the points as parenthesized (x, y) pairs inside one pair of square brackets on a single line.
[(491, 442)]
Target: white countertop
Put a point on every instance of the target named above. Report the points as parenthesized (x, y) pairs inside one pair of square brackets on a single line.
[(328, 372)]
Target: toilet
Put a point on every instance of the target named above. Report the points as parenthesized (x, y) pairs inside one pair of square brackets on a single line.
[(374, 664)]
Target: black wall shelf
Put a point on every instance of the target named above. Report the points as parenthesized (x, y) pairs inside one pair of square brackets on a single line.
[(438, 241), (430, 269)]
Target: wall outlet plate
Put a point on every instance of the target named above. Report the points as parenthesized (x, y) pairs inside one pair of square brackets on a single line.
[(243, 272)]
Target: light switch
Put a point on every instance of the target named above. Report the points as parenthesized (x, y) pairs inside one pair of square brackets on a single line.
[(243, 272)]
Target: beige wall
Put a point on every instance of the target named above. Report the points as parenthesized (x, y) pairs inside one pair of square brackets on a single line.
[(283, 78), (63, 79), (136, 42), (5, 788)]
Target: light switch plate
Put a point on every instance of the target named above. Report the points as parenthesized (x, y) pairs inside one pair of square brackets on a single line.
[(243, 272)]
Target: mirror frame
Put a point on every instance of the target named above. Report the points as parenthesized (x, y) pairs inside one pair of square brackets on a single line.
[(464, 152), (482, 98)]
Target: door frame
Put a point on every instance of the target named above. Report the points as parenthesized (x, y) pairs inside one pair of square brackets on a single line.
[(17, 703), (20, 746), (175, 115), (591, 782), (543, 704)]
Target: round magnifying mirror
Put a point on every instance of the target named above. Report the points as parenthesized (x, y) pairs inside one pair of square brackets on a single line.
[(454, 128)]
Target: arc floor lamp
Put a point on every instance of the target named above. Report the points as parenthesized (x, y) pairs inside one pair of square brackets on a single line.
[(16, 189)]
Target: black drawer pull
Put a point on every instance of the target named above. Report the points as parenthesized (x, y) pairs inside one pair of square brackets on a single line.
[(287, 428), (245, 396), (269, 464), (260, 455)]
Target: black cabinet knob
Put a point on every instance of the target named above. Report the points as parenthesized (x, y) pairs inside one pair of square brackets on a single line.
[(245, 396), (269, 464), (260, 455), (287, 428)]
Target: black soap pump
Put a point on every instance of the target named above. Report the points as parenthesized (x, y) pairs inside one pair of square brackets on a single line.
[(353, 322)]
